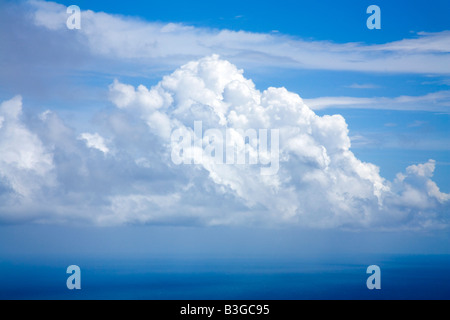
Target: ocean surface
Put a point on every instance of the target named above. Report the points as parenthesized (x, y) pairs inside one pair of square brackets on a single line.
[(262, 278)]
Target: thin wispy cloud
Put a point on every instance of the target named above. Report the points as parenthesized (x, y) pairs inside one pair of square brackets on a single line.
[(432, 102), (153, 43), (363, 86), (119, 171)]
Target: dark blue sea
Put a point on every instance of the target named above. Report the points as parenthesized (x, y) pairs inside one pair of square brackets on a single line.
[(402, 277)]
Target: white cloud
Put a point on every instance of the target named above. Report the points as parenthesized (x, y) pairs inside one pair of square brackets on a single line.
[(25, 164), (427, 41), (320, 183), (95, 141), (157, 44), (146, 102), (433, 102), (418, 197)]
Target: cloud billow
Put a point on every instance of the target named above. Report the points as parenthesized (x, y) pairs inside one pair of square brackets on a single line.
[(122, 172)]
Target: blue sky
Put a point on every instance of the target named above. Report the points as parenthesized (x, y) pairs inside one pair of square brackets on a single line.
[(83, 146)]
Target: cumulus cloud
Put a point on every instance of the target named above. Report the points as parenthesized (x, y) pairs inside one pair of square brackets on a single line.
[(319, 182), (25, 163)]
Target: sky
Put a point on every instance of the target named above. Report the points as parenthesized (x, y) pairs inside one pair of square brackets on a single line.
[(87, 116)]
